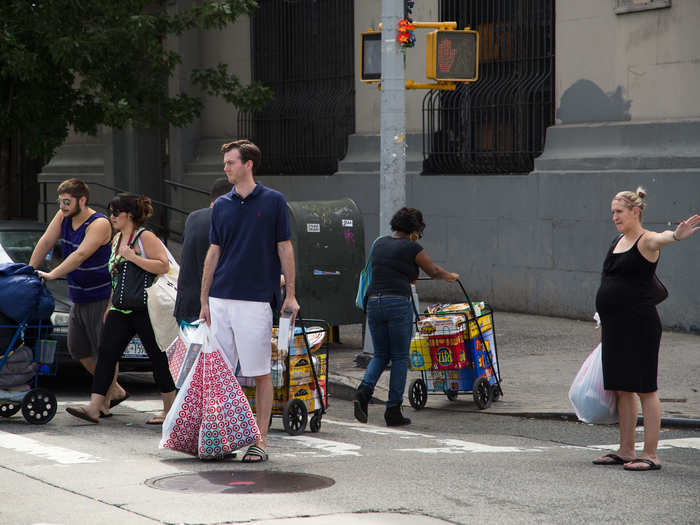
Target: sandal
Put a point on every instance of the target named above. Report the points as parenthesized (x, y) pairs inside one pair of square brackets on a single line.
[(614, 460), (80, 413), (254, 451), (649, 465), (155, 420), (115, 402)]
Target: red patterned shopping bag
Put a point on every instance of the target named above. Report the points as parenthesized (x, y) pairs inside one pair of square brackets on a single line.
[(210, 415), (181, 425), (228, 423)]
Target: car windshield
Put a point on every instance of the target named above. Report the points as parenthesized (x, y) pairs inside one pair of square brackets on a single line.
[(17, 246)]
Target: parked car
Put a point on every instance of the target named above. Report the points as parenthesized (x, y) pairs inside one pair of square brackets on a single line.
[(17, 242)]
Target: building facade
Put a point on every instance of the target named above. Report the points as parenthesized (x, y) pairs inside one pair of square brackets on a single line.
[(515, 173)]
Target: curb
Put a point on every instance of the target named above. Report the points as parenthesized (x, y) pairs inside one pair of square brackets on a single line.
[(338, 387)]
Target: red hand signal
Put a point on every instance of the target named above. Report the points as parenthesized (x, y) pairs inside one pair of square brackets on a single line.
[(446, 55)]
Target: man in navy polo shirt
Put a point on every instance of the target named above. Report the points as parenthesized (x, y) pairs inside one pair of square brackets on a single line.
[(250, 244)]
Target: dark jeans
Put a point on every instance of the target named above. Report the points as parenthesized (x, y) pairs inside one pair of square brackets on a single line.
[(116, 334), (390, 320)]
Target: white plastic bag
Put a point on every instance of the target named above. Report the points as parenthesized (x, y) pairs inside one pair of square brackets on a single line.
[(592, 403), (161, 303), (194, 340)]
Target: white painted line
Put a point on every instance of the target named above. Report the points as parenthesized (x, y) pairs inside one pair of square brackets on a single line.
[(371, 429), (663, 444), (456, 446), (144, 405), (64, 456), (334, 448)]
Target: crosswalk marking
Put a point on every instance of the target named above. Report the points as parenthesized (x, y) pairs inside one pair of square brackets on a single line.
[(64, 456), (381, 431), (457, 446), (334, 448), (663, 444)]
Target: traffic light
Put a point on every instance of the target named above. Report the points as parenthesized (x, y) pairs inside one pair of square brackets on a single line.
[(371, 56), (452, 55)]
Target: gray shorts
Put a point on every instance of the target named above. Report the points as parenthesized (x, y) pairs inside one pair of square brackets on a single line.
[(84, 328)]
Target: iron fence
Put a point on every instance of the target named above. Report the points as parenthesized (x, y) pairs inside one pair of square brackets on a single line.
[(303, 50), (497, 124)]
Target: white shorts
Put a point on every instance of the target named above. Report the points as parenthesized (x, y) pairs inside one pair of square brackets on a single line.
[(242, 330)]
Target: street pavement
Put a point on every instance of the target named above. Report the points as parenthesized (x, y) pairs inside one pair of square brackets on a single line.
[(538, 359)]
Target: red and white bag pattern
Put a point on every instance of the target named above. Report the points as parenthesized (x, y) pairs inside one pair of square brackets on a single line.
[(211, 415)]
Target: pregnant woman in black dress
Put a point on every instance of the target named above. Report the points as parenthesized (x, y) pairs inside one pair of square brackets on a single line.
[(631, 329)]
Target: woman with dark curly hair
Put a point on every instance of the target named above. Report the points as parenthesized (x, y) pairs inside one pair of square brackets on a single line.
[(396, 260), (129, 213)]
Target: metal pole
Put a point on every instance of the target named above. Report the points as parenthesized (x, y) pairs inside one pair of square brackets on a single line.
[(392, 174)]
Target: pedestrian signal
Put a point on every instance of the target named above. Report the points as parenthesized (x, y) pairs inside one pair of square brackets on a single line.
[(452, 55), (371, 56)]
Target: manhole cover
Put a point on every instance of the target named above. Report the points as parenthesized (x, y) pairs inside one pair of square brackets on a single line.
[(225, 482)]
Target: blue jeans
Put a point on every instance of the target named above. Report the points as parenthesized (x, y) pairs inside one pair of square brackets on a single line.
[(390, 320)]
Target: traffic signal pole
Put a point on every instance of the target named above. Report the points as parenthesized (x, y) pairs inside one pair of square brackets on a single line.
[(392, 171)]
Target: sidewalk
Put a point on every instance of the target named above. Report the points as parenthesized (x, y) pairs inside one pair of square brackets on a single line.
[(539, 357)]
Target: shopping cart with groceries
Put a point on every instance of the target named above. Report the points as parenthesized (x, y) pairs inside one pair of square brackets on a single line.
[(299, 365), (454, 349)]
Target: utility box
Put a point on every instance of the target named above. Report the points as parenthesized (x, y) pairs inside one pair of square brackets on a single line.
[(329, 254)]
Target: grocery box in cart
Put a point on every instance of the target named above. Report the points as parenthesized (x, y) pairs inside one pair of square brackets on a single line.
[(419, 356), (445, 340)]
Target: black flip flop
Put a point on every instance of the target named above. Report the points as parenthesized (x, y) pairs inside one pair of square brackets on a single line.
[(81, 414), (616, 460), (103, 415), (650, 465), (115, 402)]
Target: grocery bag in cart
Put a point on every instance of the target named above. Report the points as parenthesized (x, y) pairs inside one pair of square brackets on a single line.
[(210, 416)]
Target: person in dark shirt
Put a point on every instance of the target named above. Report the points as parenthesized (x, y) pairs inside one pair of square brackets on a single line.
[(250, 245), (396, 260), (194, 249)]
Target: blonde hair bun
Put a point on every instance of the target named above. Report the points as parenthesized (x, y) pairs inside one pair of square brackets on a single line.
[(641, 192)]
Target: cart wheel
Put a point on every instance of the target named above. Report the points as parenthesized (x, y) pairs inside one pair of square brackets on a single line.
[(482, 393), (39, 406), (496, 392), (9, 408), (315, 422), (417, 394), (451, 395), (294, 417)]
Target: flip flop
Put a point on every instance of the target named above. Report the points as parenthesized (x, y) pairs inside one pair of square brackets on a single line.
[(103, 415), (115, 402), (155, 420), (616, 460), (80, 413), (650, 465), (254, 452)]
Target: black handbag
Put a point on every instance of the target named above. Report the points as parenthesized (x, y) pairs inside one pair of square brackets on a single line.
[(657, 290), (133, 281)]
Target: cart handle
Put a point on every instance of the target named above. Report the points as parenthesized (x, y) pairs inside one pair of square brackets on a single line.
[(457, 281)]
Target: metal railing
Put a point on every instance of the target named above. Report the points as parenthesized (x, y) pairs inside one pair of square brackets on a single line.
[(497, 124), (304, 52), (162, 210)]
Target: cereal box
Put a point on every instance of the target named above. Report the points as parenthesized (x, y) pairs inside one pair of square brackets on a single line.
[(419, 357), (448, 352)]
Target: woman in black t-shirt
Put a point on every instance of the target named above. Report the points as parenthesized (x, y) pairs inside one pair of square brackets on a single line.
[(396, 260)]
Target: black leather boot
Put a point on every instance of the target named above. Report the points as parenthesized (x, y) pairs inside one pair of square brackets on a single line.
[(362, 396), (394, 417)]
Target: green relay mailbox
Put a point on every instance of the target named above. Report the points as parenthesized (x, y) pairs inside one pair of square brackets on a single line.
[(329, 253)]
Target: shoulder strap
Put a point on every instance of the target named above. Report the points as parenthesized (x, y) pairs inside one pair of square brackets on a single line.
[(136, 237)]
